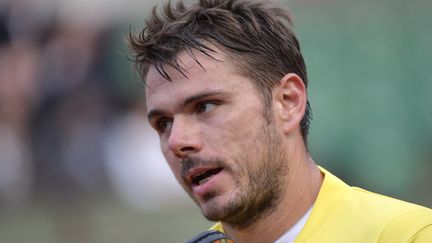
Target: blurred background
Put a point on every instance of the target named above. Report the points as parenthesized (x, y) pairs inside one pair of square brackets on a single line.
[(78, 162)]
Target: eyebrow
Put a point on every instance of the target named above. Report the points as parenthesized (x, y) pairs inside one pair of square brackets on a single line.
[(186, 102)]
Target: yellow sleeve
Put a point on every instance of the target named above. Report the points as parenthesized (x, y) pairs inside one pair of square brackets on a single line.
[(423, 236)]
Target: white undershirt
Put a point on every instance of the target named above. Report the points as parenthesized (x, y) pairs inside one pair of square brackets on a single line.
[(294, 231)]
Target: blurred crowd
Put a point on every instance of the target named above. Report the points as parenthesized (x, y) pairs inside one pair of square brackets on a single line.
[(69, 126)]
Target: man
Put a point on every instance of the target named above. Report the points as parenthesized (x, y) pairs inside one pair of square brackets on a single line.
[(226, 92)]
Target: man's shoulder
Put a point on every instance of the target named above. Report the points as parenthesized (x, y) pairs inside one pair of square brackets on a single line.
[(395, 219), (384, 205), (335, 192), (349, 214)]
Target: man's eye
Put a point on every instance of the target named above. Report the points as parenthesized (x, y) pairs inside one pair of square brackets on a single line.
[(206, 107), (164, 124)]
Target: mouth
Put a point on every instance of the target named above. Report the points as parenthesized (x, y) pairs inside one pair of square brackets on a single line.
[(200, 176)]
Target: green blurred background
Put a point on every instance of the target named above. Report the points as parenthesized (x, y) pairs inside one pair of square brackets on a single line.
[(78, 163)]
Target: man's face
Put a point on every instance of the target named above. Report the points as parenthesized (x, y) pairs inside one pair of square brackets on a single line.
[(216, 139)]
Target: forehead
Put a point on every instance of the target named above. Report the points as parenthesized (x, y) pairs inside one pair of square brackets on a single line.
[(193, 65), (210, 74)]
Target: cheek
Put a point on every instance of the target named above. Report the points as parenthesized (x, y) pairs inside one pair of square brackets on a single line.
[(237, 133), (233, 141)]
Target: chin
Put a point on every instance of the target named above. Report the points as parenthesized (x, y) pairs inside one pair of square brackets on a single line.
[(214, 209), (213, 213)]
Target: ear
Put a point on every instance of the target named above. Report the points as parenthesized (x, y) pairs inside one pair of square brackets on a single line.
[(290, 98)]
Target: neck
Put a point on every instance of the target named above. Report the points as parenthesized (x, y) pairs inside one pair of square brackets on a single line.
[(302, 186)]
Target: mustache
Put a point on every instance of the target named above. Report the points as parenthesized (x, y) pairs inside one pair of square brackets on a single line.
[(193, 162)]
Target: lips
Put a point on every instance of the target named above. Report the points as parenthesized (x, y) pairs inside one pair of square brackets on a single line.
[(205, 176), (199, 176)]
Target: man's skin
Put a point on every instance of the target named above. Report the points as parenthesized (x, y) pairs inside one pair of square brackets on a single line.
[(215, 118)]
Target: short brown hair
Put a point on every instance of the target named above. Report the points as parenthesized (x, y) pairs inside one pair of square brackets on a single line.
[(257, 34)]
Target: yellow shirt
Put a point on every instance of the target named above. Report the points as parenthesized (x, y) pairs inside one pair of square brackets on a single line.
[(344, 214)]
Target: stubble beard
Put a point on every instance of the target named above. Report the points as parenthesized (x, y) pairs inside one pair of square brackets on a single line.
[(261, 189)]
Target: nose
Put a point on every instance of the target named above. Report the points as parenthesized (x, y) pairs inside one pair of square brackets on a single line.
[(184, 138)]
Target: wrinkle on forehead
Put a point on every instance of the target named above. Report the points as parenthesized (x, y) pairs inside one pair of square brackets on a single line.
[(193, 61)]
